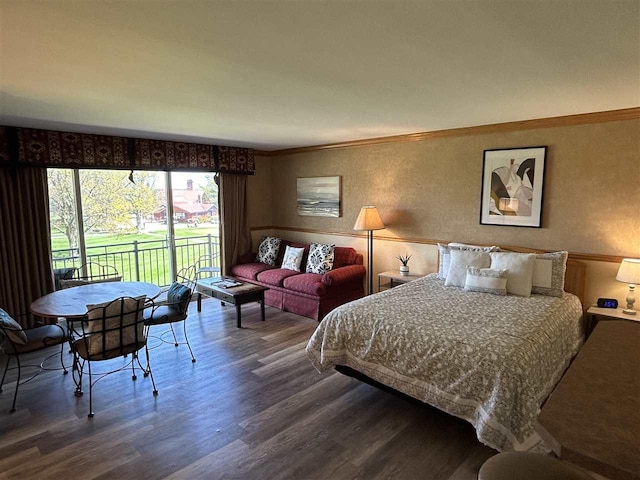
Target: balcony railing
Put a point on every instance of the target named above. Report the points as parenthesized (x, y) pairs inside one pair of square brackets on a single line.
[(146, 261)]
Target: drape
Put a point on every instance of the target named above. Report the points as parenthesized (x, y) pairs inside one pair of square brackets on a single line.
[(25, 251), (236, 236)]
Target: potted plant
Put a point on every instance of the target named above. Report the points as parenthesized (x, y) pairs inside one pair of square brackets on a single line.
[(404, 268)]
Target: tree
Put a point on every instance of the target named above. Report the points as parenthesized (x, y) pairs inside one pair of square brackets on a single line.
[(109, 201), (210, 191)]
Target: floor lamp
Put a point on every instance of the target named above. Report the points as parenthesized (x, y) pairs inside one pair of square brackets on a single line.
[(369, 220)]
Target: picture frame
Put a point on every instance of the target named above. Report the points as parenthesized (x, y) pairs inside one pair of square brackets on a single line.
[(319, 196), (513, 186)]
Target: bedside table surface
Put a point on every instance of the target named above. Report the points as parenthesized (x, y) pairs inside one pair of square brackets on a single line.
[(398, 277), (613, 313)]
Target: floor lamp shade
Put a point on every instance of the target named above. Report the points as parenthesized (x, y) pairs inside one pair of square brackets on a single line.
[(369, 220)]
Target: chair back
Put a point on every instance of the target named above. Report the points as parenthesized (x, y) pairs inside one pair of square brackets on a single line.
[(110, 329), (90, 272), (181, 291), (207, 266)]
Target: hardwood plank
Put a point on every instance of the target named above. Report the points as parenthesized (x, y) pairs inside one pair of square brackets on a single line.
[(251, 407)]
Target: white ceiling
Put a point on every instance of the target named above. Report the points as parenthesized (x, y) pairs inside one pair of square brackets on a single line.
[(279, 74)]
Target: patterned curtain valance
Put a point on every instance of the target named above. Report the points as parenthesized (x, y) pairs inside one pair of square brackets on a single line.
[(49, 148)]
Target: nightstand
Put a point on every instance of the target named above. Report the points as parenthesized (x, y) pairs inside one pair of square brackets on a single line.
[(596, 314), (393, 278)]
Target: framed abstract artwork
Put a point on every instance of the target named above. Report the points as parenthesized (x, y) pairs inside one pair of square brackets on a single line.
[(512, 186), (319, 196)]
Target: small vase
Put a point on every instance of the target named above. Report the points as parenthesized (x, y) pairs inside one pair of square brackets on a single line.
[(404, 270)]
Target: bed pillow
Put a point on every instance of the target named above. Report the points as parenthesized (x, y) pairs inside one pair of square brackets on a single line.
[(320, 258), (268, 250), (460, 260), (445, 250), (548, 274), (292, 258), (520, 266), (486, 280)]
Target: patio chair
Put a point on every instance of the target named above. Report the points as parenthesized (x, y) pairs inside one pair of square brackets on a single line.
[(108, 331), (90, 272), (174, 308), (206, 266), (17, 341)]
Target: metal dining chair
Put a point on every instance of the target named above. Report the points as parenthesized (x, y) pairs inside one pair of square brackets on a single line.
[(90, 272), (107, 331), (17, 341)]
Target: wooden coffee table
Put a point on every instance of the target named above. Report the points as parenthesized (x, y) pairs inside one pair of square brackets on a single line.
[(238, 296)]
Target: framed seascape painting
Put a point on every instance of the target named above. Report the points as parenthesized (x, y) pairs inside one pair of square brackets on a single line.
[(512, 185), (319, 196)]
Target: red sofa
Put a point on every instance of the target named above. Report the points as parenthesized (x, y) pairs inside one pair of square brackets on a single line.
[(307, 294)]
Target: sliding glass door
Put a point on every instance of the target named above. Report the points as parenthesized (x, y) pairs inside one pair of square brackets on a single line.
[(139, 224)]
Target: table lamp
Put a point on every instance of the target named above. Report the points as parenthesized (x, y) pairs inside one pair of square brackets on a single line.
[(629, 272), (369, 220)]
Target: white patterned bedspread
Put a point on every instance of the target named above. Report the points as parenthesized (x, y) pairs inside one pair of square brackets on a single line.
[(491, 360)]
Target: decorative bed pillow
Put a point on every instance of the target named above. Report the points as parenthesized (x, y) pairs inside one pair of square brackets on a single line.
[(320, 258), (12, 328), (486, 280), (548, 273), (268, 250), (520, 266), (444, 252), (292, 258), (460, 260)]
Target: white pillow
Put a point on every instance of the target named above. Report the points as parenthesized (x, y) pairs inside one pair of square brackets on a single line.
[(486, 280), (292, 258), (520, 266), (458, 263), (445, 250)]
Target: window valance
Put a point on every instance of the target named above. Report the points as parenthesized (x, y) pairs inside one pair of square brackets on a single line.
[(50, 148)]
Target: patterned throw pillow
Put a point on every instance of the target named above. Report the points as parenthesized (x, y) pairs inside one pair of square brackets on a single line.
[(486, 280), (268, 250), (548, 274), (292, 258), (320, 258), (12, 329)]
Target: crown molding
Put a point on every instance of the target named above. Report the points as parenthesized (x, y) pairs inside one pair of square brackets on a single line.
[(592, 257), (550, 122)]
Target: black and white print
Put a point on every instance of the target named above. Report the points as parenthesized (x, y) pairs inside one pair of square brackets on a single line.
[(320, 258), (268, 250)]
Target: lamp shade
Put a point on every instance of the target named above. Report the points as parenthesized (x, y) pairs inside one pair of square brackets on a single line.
[(368, 219), (629, 271)]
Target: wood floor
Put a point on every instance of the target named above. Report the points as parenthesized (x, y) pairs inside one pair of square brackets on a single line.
[(251, 407)]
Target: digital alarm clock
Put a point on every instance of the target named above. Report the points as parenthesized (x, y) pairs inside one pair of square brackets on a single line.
[(607, 303)]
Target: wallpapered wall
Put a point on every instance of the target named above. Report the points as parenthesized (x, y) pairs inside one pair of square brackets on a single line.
[(431, 190)]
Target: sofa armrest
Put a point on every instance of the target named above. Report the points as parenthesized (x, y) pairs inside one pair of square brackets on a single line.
[(343, 275), (247, 258)]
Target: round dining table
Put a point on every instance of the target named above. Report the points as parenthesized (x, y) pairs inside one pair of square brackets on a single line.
[(72, 302)]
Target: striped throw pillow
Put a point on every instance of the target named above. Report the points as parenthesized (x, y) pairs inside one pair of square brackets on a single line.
[(486, 280)]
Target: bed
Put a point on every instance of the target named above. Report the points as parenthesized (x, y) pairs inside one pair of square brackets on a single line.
[(491, 360)]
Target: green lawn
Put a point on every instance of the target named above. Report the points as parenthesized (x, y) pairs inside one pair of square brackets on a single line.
[(152, 255)]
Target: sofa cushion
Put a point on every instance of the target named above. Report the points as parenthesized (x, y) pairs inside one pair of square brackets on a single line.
[(249, 270), (309, 283), (276, 276)]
